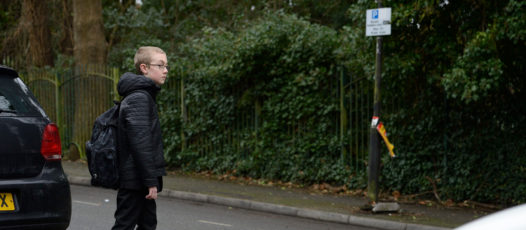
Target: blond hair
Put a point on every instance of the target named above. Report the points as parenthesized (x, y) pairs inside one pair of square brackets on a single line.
[(144, 56)]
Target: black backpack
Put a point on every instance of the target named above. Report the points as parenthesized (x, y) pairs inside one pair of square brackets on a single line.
[(102, 150)]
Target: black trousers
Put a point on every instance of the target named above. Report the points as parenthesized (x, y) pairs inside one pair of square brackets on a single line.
[(134, 209)]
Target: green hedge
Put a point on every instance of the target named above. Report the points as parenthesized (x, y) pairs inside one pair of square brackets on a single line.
[(278, 72), (451, 96)]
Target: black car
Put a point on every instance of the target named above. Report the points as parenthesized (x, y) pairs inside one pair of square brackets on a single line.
[(34, 191)]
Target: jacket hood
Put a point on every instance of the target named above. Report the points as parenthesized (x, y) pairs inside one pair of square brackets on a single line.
[(130, 82)]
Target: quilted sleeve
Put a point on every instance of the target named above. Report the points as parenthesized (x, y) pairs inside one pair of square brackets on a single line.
[(139, 117)]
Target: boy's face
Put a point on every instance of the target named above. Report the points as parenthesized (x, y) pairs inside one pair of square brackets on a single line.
[(157, 69)]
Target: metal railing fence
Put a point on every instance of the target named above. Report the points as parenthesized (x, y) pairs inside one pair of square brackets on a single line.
[(74, 97), (350, 124)]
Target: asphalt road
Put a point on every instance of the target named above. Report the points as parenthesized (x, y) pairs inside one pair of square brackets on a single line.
[(93, 209)]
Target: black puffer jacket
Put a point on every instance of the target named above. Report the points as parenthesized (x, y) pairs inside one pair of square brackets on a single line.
[(141, 158)]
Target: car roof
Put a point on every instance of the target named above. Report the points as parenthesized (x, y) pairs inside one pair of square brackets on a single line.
[(5, 70)]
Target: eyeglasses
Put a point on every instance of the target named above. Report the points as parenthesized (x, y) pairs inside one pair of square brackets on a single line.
[(162, 67)]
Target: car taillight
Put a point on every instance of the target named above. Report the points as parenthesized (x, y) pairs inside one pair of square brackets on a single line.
[(51, 149)]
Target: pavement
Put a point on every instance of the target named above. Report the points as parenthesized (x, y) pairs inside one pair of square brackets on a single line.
[(299, 202)]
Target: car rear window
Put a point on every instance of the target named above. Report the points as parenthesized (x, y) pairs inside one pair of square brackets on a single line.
[(15, 99)]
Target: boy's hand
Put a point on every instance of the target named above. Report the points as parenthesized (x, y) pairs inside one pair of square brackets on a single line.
[(152, 195)]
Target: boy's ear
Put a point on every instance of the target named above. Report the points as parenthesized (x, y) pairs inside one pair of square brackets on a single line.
[(143, 68)]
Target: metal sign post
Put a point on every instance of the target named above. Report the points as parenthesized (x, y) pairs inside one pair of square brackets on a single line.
[(378, 23), (374, 140)]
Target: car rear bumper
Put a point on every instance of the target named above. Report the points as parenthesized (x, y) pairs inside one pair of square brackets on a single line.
[(42, 202)]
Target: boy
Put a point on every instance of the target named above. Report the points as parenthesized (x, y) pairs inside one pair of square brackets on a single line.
[(141, 158)]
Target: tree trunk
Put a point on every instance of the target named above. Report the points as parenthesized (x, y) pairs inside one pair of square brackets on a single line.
[(88, 33), (66, 42), (91, 91), (35, 23)]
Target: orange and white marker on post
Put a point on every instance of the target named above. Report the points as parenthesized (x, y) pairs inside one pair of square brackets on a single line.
[(374, 121)]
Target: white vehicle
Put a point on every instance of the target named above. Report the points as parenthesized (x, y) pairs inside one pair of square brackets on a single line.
[(509, 219)]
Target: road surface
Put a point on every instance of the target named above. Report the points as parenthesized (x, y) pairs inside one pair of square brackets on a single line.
[(93, 209)]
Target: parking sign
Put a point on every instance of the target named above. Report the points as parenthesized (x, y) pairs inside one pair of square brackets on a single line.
[(378, 22)]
